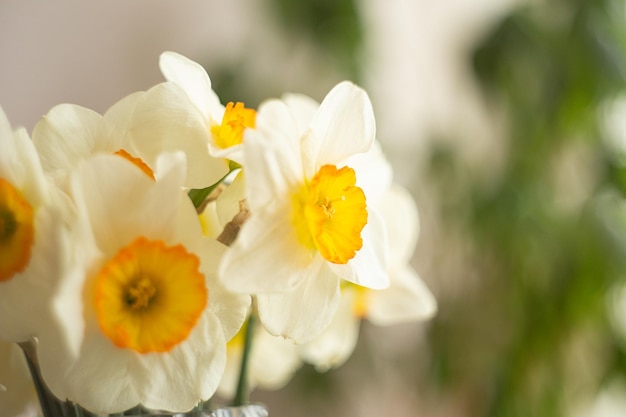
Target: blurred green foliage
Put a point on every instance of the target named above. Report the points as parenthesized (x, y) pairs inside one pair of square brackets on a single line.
[(530, 335), (519, 342), (333, 28), (334, 25)]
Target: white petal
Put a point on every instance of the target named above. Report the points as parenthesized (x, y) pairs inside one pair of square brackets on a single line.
[(170, 168), (113, 131), (302, 314), (5, 129), (193, 79), (10, 166), (400, 215), (27, 299), (122, 202), (272, 154), (66, 136), (374, 173), (230, 308), (265, 257), (54, 284), (303, 108), (234, 153), (100, 381), (32, 181), (20, 164), (343, 125), (164, 120), (273, 361), (368, 268), (179, 379), (407, 299), (335, 345)]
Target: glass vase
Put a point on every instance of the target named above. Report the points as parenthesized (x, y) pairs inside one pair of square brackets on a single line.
[(250, 410)]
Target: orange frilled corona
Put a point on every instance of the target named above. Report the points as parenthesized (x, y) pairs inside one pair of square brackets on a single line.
[(17, 231), (149, 296), (329, 213), (236, 119)]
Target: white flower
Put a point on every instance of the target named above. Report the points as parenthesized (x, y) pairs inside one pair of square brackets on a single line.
[(310, 224), (39, 267), (219, 127), (156, 319), (406, 299)]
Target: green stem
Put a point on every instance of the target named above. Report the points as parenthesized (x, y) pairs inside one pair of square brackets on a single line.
[(199, 195), (50, 405), (241, 396)]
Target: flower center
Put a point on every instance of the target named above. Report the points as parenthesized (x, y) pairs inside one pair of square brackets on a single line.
[(138, 162), (235, 120), (17, 231), (139, 293), (149, 296), (329, 213)]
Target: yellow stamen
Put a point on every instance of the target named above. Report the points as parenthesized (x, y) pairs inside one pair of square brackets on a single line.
[(138, 162), (140, 293), (235, 120), (149, 296), (329, 213), (17, 231)]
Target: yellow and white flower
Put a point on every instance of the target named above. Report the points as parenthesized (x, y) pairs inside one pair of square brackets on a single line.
[(156, 319), (407, 299), (39, 266), (311, 225), (202, 115)]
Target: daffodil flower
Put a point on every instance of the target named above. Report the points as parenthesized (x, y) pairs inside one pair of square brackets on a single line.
[(199, 112), (311, 225), (39, 264), (156, 319)]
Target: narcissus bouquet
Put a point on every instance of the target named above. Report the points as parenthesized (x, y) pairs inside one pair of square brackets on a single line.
[(175, 247)]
